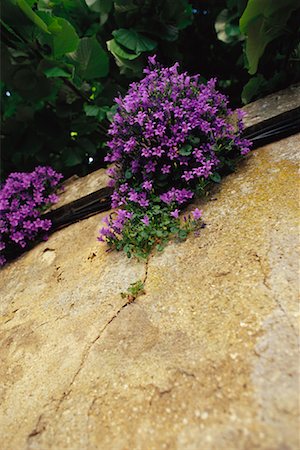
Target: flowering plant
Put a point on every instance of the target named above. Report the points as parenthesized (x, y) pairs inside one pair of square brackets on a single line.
[(170, 136), (23, 197)]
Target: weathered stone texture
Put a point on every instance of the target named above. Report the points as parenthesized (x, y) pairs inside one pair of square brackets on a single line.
[(272, 105), (77, 187), (206, 360)]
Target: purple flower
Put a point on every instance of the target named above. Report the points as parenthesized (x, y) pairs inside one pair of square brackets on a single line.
[(197, 213), (166, 169), (152, 60), (133, 196), (168, 135), (145, 220), (23, 197), (175, 213), (147, 185), (150, 167)]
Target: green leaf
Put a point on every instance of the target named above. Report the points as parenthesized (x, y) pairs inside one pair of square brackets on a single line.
[(111, 113), (256, 8), (26, 8), (100, 6), (226, 31), (194, 140), (186, 150), (71, 157), (65, 40), (54, 72), (133, 40), (128, 174), (253, 88), (118, 52), (91, 110), (54, 27), (262, 22), (182, 234), (215, 177), (92, 60)]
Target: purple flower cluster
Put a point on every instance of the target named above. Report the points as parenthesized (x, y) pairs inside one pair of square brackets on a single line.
[(22, 199), (117, 225), (169, 132), (179, 196)]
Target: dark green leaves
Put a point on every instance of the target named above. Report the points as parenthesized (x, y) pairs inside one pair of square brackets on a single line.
[(64, 38), (100, 112), (194, 140), (128, 174), (100, 6), (182, 234), (54, 56), (59, 33), (72, 157), (91, 60), (227, 30), (25, 7), (133, 40), (262, 22), (253, 87), (216, 177), (119, 52), (55, 72), (186, 150)]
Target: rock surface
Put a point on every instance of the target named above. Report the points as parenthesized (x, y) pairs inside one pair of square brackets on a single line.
[(272, 105), (207, 359), (77, 187)]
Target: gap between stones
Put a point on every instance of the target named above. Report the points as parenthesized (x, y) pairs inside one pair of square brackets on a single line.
[(38, 429)]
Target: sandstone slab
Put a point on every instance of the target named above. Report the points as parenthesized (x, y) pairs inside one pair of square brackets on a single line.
[(206, 359), (272, 105)]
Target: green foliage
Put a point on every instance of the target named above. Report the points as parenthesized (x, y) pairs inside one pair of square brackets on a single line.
[(134, 41), (268, 32), (63, 62), (135, 290), (262, 22), (91, 61), (140, 237)]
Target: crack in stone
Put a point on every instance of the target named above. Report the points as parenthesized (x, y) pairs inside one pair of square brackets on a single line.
[(84, 357), (186, 373), (159, 393), (52, 321), (37, 430), (277, 301), (177, 373), (146, 270)]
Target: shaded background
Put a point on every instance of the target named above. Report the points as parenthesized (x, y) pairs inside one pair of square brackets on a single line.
[(64, 61)]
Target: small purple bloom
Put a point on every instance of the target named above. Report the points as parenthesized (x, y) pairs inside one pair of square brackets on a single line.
[(197, 213), (152, 60), (175, 213), (147, 185), (145, 220), (166, 169)]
